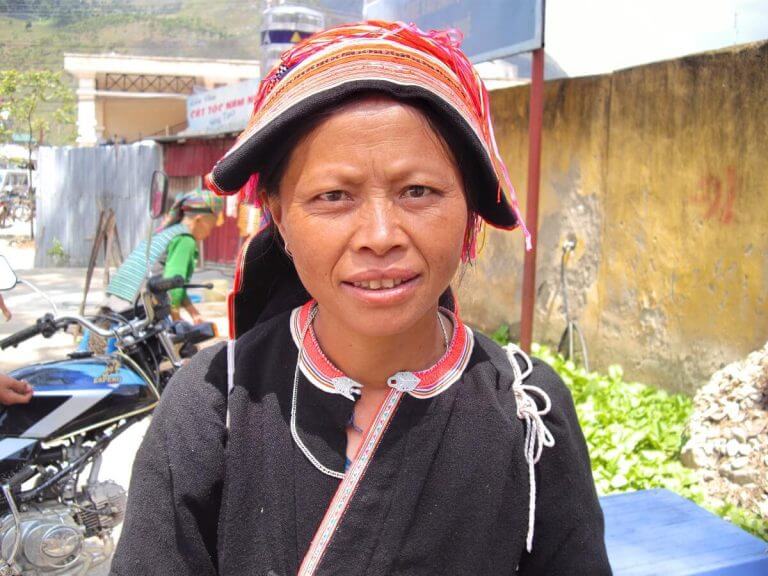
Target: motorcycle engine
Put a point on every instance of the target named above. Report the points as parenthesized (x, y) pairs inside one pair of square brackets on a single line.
[(102, 507), (66, 539)]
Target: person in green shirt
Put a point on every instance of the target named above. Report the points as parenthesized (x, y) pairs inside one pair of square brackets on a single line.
[(180, 260), (173, 251)]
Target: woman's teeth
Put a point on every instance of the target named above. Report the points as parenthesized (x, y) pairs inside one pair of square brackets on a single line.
[(379, 284)]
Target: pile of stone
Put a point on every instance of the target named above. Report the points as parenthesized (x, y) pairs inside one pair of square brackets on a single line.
[(728, 434)]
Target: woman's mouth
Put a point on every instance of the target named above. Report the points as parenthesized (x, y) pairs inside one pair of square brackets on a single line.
[(384, 290), (384, 283)]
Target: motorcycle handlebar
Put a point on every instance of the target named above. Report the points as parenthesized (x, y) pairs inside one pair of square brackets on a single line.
[(157, 284), (18, 337), (47, 325), (208, 285), (64, 321)]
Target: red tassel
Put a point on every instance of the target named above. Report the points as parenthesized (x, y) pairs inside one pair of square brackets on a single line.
[(251, 190), (469, 250)]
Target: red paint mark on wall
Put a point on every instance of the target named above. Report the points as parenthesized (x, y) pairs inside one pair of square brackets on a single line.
[(718, 198)]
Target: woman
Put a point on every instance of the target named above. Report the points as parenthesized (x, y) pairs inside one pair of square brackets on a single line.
[(355, 425), (191, 219)]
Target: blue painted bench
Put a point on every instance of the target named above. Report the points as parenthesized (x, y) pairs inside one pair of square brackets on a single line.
[(658, 532)]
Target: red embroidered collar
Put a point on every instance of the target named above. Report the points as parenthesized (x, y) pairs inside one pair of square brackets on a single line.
[(319, 370)]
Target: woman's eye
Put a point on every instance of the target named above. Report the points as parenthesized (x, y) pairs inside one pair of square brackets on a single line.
[(333, 196), (417, 191)]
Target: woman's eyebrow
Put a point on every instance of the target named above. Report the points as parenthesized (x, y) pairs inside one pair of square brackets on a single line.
[(327, 181), (421, 174), (338, 173)]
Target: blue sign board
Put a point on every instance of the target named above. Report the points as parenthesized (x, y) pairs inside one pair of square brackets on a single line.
[(283, 36), (492, 28)]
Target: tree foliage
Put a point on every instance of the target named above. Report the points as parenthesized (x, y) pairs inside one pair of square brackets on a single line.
[(31, 101)]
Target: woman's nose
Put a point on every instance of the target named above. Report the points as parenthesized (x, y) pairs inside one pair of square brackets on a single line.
[(378, 228)]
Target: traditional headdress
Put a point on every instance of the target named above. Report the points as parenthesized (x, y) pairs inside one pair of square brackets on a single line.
[(392, 58), (193, 202)]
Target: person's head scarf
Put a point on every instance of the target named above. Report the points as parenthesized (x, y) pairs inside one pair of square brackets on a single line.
[(391, 58), (198, 201)]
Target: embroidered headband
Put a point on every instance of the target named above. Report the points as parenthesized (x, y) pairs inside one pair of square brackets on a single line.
[(389, 57)]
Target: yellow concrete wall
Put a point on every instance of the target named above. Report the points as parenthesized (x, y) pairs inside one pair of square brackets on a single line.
[(661, 173), (135, 118)]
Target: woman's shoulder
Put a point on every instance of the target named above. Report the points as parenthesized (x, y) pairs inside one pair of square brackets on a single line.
[(266, 336), (531, 371), (530, 385), (204, 368), (556, 455), (199, 387)]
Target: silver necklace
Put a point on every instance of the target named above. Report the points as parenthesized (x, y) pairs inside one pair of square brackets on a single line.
[(442, 327), (294, 432)]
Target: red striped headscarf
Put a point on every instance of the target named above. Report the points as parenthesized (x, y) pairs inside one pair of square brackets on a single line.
[(393, 58)]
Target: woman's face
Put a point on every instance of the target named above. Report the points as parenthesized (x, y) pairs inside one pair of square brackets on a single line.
[(372, 208), (202, 225)]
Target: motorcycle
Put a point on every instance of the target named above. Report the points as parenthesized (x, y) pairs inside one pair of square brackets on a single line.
[(51, 523)]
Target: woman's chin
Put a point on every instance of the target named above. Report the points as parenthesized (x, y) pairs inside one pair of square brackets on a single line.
[(380, 320)]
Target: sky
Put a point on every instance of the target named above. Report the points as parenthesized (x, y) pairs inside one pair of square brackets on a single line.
[(598, 36)]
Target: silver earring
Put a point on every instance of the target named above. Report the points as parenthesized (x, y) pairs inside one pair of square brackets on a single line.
[(290, 254)]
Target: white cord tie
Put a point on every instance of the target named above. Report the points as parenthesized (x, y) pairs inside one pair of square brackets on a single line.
[(230, 372), (537, 435)]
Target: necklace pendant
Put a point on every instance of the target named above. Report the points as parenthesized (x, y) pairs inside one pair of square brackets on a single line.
[(404, 381), (346, 387)]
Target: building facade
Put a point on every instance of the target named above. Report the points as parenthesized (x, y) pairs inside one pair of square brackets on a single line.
[(123, 98)]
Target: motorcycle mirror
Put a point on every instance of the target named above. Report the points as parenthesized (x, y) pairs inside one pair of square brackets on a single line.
[(7, 276), (158, 193)]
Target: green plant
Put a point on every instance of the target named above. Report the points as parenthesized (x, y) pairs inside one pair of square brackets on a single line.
[(501, 336), (743, 518), (634, 433), (57, 252)]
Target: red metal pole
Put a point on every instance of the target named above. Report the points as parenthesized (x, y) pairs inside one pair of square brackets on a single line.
[(535, 119)]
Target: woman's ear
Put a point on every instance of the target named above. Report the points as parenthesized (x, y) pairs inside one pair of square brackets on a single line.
[(275, 211)]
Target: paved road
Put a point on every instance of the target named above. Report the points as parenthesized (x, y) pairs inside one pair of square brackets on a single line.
[(65, 287)]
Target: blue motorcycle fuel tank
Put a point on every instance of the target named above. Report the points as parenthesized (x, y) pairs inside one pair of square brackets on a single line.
[(72, 396)]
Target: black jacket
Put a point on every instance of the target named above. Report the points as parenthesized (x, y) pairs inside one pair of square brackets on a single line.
[(445, 494)]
